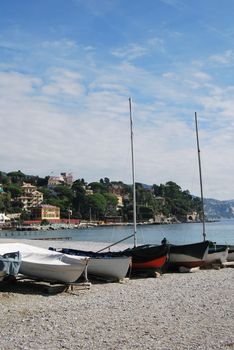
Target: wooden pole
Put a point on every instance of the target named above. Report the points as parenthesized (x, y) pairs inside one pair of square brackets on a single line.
[(133, 174), (200, 176)]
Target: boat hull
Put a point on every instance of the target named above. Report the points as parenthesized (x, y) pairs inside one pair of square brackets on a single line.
[(142, 257), (217, 255), (114, 268), (39, 263), (230, 256), (66, 270), (188, 255), (109, 266), (148, 256), (157, 263)]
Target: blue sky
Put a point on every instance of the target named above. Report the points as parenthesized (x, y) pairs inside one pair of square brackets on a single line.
[(68, 67)]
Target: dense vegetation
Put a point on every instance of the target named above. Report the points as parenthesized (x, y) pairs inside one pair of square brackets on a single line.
[(98, 200)]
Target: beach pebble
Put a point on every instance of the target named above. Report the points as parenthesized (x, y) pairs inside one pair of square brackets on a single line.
[(177, 311), (174, 312)]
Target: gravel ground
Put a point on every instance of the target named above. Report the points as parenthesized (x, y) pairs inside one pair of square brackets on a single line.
[(175, 311)]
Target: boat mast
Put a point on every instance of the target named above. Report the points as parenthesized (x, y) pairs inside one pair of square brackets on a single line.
[(133, 174), (133, 189), (200, 176)]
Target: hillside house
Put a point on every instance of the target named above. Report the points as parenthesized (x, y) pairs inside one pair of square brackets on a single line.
[(30, 196), (62, 179), (46, 212)]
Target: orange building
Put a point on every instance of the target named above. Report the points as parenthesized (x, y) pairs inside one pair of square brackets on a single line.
[(46, 212)]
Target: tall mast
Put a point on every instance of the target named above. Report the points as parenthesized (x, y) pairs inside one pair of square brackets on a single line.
[(133, 174), (200, 175), (133, 189)]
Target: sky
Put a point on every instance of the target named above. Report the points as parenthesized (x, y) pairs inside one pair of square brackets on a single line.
[(69, 67)]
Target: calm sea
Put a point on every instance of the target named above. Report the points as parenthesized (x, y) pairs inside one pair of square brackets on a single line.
[(220, 232)]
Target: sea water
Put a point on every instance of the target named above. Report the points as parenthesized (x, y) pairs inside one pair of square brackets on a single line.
[(221, 232)]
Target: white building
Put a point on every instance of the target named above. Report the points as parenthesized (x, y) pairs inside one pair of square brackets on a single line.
[(30, 196), (3, 218), (63, 178)]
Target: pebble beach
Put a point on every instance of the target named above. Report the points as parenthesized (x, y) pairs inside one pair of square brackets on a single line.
[(175, 311)]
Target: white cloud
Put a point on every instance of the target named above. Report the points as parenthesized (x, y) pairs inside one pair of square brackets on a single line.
[(14, 84), (134, 50), (169, 75), (225, 58), (61, 81), (65, 44), (39, 138), (77, 118), (131, 52), (201, 76)]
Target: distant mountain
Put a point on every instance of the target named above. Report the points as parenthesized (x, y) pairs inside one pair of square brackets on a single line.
[(147, 187), (216, 209)]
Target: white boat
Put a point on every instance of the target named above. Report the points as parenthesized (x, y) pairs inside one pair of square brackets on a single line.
[(230, 257), (217, 254), (230, 253), (109, 266), (40, 263)]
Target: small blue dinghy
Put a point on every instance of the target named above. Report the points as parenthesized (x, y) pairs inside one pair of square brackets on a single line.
[(9, 265)]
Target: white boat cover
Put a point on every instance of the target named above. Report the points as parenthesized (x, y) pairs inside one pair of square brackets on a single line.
[(44, 264)]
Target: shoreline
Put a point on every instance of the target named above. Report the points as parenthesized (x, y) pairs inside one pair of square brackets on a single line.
[(85, 225), (61, 243)]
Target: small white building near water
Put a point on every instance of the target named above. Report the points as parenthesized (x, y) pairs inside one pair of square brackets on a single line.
[(3, 219)]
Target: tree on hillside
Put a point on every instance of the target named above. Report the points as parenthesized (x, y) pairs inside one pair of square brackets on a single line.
[(48, 193), (79, 183), (97, 204), (42, 182), (97, 187), (79, 199), (106, 183), (3, 178), (111, 204), (17, 177), (144, 213), (14, 189), (177, 202), (64, 192), (16, 207)]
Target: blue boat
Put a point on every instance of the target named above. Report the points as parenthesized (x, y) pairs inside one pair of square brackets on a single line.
[(9, 265)]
